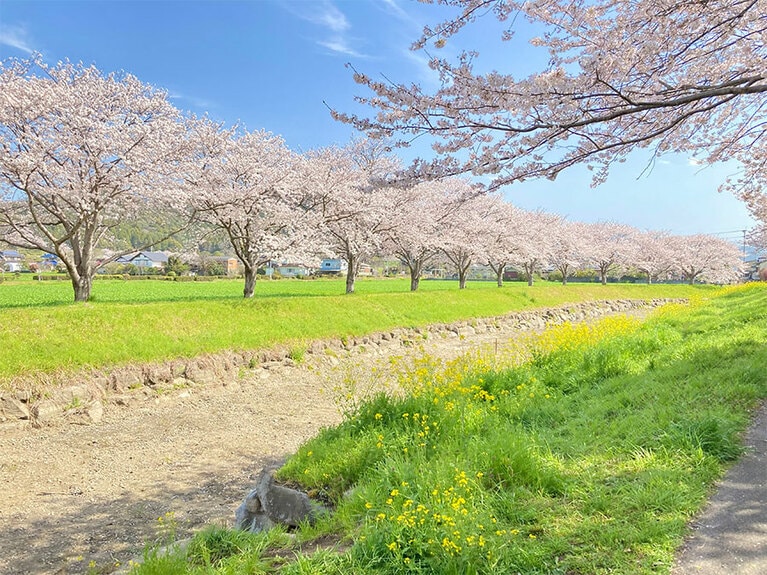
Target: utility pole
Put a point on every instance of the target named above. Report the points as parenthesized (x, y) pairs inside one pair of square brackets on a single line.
[(744, 246)]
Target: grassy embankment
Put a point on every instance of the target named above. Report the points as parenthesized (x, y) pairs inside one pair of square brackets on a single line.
[(587, 459), (154, 320)]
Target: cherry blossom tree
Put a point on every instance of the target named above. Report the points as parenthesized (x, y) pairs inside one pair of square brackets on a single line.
[(608, 246), (568, 250), (412, 230), (80, 152), (707, 258), (758, 236), (655, 253), (348, 188), (672, 76), (501, 238), (245, 183), (464, 222), (536, 242)]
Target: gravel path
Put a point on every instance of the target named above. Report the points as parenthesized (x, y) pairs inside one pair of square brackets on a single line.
[(72, 494)]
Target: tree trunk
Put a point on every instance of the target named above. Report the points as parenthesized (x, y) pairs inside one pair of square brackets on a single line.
[(351, 273), (462, 279), (604, 269), (499, 276), (529, 268), (250, 281), (82, 286), (80, 273), (564, 280), (415, 275)]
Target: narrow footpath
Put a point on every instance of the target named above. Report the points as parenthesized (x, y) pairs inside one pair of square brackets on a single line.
[(730, 535)]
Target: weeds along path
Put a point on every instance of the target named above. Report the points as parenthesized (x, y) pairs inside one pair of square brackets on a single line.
[(73, 496)]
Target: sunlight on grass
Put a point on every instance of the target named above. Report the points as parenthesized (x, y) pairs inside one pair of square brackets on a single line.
[(154, 320), (589, 458)]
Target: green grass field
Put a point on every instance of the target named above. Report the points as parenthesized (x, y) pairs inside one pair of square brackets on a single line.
[(43, 332), (588, 459)]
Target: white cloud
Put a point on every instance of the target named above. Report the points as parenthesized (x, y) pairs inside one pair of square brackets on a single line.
[(340, 45), (16, 37), (334, 22), (332, 18), (395, 9)]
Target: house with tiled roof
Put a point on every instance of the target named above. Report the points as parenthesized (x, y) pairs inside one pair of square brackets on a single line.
[(11, 260), (144, 260)]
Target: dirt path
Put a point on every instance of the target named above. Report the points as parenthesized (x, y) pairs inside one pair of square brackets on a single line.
[(73, 494)]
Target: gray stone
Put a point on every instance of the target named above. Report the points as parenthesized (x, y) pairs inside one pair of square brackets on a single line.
[(159, 374), (316, 347), (282, 504), (72, 393), (252, 502), (23, 395), (270, 504), (200, 375), (254, 522), (12, 408), (46, 411), (91, 414), (100, 385), (95, 412), (123, 379)]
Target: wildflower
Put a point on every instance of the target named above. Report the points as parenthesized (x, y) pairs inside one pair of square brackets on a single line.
[(392, 546), (368, 505), (378, 416)]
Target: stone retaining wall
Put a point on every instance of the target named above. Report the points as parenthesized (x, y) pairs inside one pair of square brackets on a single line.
[(80, 398)]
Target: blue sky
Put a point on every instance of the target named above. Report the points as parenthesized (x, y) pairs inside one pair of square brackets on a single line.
[(272, 64)]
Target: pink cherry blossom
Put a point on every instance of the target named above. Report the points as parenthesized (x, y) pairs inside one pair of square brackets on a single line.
[(80, 152)]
